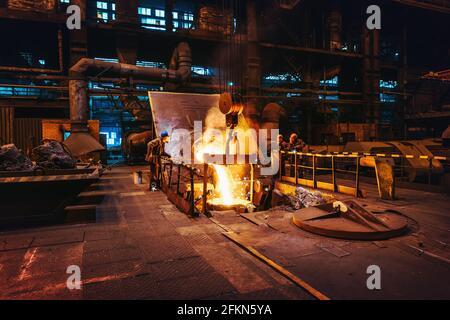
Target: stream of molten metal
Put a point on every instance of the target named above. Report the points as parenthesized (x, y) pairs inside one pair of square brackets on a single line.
[(229, 190)]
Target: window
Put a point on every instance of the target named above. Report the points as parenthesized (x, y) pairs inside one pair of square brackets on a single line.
[(282, 77), (188, 17), (102, 5), (154, 18), (202, 71), (388, 84), (333, 82), (388, 98), (106, 10), (151, 64), (144, 11)]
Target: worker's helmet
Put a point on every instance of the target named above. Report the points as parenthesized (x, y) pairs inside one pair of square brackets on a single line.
[(164, 134)]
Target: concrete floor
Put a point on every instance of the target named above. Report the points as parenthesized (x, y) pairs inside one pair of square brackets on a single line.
[(142, 247)]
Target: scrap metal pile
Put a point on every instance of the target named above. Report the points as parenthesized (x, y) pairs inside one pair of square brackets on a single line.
[(13, 159), (304, 198), (301, 198), (49, 155), (52, 155)]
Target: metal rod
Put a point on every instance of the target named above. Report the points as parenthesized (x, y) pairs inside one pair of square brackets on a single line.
[(314, 172), (192, 208), (357, 177), (178, 179), (170, 175), (281, 166), (295, 168), (205, 187), (430, 167), (333, 173), (251, 182)]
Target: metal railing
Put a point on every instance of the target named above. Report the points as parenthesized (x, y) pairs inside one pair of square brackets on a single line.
[(178, 180), (306, 164), (426, 170)]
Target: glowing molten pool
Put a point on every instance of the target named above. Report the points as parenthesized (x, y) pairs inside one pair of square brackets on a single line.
[(229, 189)]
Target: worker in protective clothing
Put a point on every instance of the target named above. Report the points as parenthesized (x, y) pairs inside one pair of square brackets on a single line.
[(297, 144), (155, 149), (282, 145)]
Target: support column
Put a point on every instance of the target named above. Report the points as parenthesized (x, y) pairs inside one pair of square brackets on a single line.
[(169, 5), (78, 38), (126, 11), (335, 27), (402, 81), (376, 75), (253, 63), (370, 75), (126, 42), (366, 74)]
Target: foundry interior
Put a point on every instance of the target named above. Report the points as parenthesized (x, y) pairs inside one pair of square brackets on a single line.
[(305, 149)]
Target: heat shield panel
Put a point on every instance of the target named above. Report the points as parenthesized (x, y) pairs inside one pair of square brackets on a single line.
[(177, 112)]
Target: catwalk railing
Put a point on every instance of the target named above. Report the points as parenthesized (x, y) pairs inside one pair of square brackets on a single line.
[(306, 169)]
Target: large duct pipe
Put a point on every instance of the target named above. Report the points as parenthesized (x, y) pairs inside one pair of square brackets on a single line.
[(181, 60), (80, 142)]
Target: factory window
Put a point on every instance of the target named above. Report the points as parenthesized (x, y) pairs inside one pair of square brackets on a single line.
[(148, 87), (281, 77), (16, 91), (106, 10), (151, 23), (188, 17), (102, 5), (112, 136), (202, 71), (102, 86), (107, 59), (388, 98), (145, 11), (330, 97), (388, 84), (333, 82), (159, 13), (151, 64), (154, 18)]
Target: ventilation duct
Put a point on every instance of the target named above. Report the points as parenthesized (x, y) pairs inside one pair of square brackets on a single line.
[(80, 142)]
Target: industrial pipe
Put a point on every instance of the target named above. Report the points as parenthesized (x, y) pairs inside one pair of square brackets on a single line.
[(80, 142), (181, 60)]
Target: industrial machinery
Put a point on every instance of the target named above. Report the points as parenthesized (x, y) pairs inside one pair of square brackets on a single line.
[(349, 220)]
